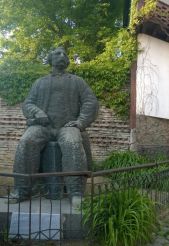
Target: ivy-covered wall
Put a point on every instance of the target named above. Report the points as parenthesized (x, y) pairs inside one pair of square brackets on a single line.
[(140, 11)]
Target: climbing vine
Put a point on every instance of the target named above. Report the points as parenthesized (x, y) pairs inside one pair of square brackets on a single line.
[(139, 14), (108, 74), (17, 77)]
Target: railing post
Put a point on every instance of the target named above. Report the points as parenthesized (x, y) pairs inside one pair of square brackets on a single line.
[(156, 185), (92, 198), (8, 192), (30, 207)]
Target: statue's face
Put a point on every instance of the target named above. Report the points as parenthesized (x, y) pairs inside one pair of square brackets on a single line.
[(59, 58)]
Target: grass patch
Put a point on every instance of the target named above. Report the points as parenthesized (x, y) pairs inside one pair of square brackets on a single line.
[(121, 218)]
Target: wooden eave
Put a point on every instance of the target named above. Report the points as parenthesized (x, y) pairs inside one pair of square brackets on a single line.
[(157, 24)]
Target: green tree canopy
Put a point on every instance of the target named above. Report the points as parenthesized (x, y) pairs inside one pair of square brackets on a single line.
[(90, 28), (34, 26)]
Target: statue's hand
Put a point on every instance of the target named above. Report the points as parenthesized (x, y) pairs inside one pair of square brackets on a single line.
[(42, 119), (73, 124)]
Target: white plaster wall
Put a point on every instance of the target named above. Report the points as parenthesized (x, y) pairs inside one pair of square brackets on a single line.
[(152, 94), (165, 1)]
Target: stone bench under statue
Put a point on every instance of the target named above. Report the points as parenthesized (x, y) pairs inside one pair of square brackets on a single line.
[(51, 161)]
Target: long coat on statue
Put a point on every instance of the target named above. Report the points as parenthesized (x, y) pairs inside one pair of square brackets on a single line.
[(73, 100)]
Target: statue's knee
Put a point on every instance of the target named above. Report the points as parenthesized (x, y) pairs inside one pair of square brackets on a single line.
[(71, 140), (27, 142), (70, 135)]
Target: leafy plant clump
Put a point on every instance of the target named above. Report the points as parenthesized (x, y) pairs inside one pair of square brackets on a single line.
[(137, 178), (120, 218), (118, 159)]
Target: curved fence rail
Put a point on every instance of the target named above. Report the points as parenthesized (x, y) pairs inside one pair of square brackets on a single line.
[(46, 215)]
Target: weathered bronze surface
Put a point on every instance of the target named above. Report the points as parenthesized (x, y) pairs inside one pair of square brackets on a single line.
[(59, 107)]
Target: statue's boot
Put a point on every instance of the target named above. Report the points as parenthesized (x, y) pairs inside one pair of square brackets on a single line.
[(17, 196)]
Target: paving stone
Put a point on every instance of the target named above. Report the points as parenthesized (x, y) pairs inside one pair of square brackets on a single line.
[(160, 242)]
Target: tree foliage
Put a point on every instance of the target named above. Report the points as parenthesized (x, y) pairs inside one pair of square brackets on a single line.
[(82, 26), (107, 74), (90, 28)]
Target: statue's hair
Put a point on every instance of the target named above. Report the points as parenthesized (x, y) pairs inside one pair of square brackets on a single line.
[(49, 58)]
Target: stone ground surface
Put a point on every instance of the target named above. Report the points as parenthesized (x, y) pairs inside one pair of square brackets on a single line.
[(73, 243), (161, 237)]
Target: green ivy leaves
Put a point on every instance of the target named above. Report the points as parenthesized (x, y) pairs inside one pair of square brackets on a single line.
[(108, 75)]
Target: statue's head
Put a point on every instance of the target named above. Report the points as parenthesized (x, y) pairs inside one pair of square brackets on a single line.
[(58, 58)]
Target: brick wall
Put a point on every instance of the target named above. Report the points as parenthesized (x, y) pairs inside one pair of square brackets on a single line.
[(107, 133), (152, 135)]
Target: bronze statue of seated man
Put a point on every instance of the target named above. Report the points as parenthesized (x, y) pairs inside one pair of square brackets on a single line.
[(59, 107)]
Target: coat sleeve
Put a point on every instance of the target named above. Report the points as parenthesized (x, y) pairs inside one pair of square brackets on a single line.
[(29, 106), (88, 105)]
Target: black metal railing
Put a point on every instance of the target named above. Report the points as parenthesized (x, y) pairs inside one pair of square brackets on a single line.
[(43, 217)]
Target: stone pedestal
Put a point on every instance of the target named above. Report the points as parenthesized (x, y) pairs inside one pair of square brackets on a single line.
[(60, 212)]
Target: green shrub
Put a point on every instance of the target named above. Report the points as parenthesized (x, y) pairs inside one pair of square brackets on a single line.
[(120, 218), (124, 159), (119, 159), (145, 178)]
